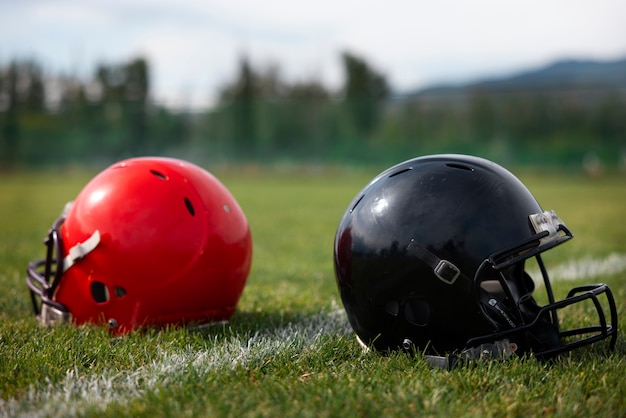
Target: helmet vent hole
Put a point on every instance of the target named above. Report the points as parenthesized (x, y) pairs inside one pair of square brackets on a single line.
[(357, 203), (190, 208), (99, 292), (120, 292), (460, 166), (159, 174), (401, 171)]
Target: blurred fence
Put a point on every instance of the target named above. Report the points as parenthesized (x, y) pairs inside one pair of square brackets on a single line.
[(564, 130)]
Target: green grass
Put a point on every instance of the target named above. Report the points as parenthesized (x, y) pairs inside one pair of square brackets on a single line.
[(288, 351)]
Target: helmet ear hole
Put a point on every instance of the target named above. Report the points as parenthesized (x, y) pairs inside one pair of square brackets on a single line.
[(417, 312), (99, 292)]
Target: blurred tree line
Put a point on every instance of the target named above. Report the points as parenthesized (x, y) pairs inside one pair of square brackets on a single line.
[(56, 119), (48, 120)]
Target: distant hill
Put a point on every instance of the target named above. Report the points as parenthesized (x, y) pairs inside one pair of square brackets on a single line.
[(561, 76)]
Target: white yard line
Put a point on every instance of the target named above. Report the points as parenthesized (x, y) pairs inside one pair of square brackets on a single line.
[(584, 268), (78, 392)]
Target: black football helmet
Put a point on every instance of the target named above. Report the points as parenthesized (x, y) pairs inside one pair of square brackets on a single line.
[(432, 256)]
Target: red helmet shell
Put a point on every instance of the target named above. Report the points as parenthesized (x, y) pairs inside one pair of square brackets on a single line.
[(175, 247)]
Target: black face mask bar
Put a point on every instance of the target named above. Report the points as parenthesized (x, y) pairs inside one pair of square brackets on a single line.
[(44, 276)]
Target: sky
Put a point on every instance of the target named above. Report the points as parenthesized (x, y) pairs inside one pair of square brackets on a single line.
[(194, 46)]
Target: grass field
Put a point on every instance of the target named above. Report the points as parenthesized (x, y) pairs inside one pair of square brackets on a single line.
[(289, 351)]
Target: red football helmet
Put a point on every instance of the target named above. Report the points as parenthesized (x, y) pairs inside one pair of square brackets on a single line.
[(148, 241)]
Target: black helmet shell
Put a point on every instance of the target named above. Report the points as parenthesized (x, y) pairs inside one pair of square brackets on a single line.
[(409, 249)]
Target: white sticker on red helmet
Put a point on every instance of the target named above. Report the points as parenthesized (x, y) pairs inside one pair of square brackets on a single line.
[(81, 249)]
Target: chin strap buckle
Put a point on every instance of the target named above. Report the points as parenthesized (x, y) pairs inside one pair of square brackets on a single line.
[(50, 315), (445, 270), (498, 350)]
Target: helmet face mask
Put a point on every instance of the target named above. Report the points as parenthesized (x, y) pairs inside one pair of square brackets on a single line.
[(509, 304), (432, 254), (44, 276), (148, 241)]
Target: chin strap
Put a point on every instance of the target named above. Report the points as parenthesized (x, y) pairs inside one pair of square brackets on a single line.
[(498, 350), (80, 250)]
